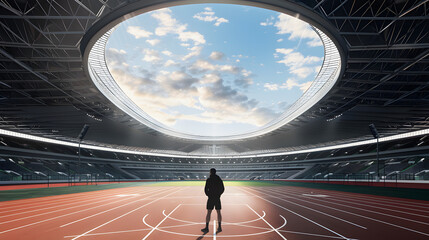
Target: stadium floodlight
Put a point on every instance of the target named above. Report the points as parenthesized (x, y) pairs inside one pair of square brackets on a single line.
[(80, 137), (374, 133), (373, 130), (83, 132)]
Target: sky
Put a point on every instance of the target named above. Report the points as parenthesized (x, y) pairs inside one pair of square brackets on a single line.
[(214, 69)]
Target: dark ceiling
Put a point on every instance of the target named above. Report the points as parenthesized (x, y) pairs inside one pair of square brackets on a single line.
[(45, 91)]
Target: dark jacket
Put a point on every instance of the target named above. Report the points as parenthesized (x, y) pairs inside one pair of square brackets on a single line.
[(214, 186)]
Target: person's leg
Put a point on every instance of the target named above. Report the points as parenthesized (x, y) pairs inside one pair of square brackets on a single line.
[(219, 216), (219, 220), (209, 213)]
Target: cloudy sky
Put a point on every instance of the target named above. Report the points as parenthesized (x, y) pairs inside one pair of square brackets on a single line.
[(214, 69)]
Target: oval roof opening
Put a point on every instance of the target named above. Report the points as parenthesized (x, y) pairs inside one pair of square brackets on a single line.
[(214, 71)]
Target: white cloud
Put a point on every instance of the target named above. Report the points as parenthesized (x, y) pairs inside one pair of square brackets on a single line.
[(167, 53), (216, 55), (284, 51), (202, 65), (302, 72), (317, 68), (271, 86), (246, 73), (209, 16), (220, 20), (315, 43), (116, 57), (185, 44), (197, 37), (289, 84), (268, 22), (305, 86), (225, 105), (297, 63), (194, 51), (169, 25), (151, 55), (138, 32), (297, 29), (240, 56), (169, 63), (153, 42), (213, 101), (280, 40), (210, 78)]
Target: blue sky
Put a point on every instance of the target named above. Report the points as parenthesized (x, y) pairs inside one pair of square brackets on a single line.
[(214, 69)]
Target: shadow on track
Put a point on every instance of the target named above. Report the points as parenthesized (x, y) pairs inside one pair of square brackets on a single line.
[(202, 236)]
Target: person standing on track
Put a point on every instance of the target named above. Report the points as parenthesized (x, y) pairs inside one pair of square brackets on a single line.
[(213, 189)]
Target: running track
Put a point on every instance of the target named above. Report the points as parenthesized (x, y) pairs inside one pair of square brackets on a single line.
[(249, 213)]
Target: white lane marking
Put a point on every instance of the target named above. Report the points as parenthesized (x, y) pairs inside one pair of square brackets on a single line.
[(223, 204), (315, 195), (369, 197), (152, 193), (65, 198), (59, 205), (225, 223), (267, 223), (127, 195), (316, 235), (214, 229), (59, 210), (175, 226), (380, 201), (280, 206), (45, 220), (371, 211), (132, 230), (355, 214), (107, 233), (336, 198), (153, 229), (367, 205), (123, 215), (161, 229), (312, 209)]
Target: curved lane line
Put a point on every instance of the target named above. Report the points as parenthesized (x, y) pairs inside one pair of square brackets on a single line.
[(161, 229), (153, 229)]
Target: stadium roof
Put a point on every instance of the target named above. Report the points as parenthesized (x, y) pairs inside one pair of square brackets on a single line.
[(45, 90)]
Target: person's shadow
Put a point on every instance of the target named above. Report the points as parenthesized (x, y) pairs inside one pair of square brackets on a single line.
[(202, 236)]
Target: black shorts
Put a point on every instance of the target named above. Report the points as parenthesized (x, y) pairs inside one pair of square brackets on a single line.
[(213, 203)]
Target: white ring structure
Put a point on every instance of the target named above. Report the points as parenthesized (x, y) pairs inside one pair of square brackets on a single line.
[(185, 221), (322, 84), (220, 236)]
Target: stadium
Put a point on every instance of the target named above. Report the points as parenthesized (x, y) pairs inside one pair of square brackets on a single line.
[(314, 113)]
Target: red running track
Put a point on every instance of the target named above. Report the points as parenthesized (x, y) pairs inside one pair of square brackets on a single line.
[(249, 213), (45, 185)]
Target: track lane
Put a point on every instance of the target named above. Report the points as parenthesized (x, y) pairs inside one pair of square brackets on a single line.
[(59, 204), (123, 217), (47, 214), (374, 221), (46, 222), (415, 215)]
